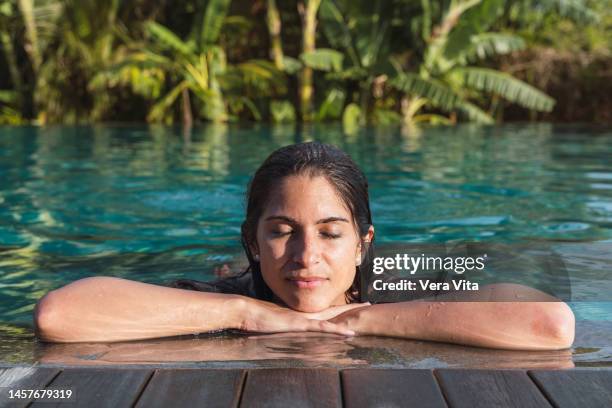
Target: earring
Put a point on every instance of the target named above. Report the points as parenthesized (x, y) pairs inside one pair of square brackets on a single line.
[(256, 257)]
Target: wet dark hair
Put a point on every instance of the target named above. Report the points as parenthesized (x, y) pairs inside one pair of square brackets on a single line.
[(311, 159)]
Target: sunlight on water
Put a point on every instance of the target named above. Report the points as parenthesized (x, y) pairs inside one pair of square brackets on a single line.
[(154, 204)]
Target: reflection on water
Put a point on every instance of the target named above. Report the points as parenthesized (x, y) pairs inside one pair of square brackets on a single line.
[(591, 349), (298, 349), (156, 204)]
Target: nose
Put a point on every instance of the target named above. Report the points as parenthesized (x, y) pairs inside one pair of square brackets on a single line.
[(306, 250)]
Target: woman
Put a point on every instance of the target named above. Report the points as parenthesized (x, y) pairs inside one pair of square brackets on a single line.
[(307, 233)]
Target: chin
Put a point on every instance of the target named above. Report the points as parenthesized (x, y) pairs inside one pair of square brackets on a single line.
[(308, 305)]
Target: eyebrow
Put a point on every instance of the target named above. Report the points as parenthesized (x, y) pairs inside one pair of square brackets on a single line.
[(293, 221)]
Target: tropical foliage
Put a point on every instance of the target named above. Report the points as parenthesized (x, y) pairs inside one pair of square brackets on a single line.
[(359, 61)]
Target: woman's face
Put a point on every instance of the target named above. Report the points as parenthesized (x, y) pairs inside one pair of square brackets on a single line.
[(308, 244)]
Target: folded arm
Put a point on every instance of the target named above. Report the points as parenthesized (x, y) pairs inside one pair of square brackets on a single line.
[(102, 309), (542, 325), (113, 309)]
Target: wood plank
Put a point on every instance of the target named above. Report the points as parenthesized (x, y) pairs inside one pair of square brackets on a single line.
[(575, 388), (391, 388), (192, 388), (489, 388), (28, 378), (292, 387), (95, 387)]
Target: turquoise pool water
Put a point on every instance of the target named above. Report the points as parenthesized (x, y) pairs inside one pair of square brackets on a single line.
[(155, 204)]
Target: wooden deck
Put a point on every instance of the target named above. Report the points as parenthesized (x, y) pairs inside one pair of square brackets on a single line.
[(306, 387)]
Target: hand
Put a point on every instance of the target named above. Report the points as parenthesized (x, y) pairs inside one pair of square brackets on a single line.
[(334, 311), (266, 317), (352, 319)]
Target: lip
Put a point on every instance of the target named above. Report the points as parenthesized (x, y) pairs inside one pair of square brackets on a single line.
[(307, 282)]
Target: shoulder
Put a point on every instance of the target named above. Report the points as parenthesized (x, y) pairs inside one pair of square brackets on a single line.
[(236, 285)]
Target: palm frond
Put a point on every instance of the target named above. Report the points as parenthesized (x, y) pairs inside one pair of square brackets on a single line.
[(262, 75), (505, 85), (474, 113), (26, 7), (577, 10), (144, 72), (438, 93), (452, 17), (198, 75), (259, 69), (147, 82), (144, 59), (159, 110), (214, 17), (237, 104), (167, 39), (336, 29), (485, 45)]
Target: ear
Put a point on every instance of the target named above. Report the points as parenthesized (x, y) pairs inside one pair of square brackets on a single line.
[(367, 239), (253, 248)]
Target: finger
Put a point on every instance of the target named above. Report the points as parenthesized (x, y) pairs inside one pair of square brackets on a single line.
[(328, 327), (335, 311), (358, 305), (293, 335)]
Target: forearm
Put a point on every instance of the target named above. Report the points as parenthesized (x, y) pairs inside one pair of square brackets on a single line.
[(112, 309), (507, 325)]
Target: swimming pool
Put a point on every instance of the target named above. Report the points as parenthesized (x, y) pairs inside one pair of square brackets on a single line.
[(156, 204)]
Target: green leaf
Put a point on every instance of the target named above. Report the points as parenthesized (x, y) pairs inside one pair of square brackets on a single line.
[(439, 95), (474, 113), (238, 104), (323, 59), (262, 75), (385, 117), (214, 17), (9, 116), (167, 39), (473, 20), (505, 85), (259, 70), (213, 104), (282, 111), (8, 96), (437, 92), (485, 45), (352, 119), (577, 10), (158, 111), (336, 29), (6, 9), (432, 119), (291, 65), (353, 73), (372, 42), (331, 108)]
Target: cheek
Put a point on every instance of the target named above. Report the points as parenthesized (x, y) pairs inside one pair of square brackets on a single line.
[(343, 249), (273, 251), (342, 259)]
